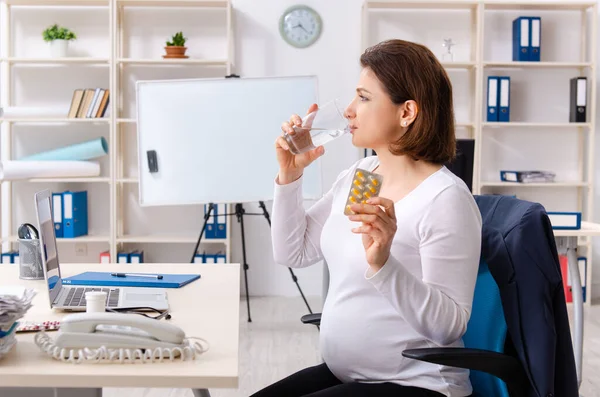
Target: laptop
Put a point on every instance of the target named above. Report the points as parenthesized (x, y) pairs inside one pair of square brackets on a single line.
[(72, 298)]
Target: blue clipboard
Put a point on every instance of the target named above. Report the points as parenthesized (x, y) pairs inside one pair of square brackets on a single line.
[(105, 278)]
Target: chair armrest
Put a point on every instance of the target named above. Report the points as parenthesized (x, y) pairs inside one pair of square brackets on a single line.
[(311, 319), (503, 366)]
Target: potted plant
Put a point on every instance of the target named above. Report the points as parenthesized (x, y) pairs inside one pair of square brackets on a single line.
[(59, 38), (176, 47)]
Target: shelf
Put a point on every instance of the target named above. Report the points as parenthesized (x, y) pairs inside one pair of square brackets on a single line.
[(78, 3), (539, 6), (128, 180), (587, 229), (52, 120), (464, 125), (423, 4), (518, 124), (64, 180), (126, 121), (181, 239), (537, 184), (162, 61), (173, 3), (458, 65), (556, 65), (57, 61), (82, 239)]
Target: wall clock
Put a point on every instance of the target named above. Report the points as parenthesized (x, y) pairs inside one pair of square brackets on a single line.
[(300, 26)]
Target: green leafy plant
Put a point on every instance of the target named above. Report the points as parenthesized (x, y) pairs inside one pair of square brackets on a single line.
[(177, 40), (56, 32)]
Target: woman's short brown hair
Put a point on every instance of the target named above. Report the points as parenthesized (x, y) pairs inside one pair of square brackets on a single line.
[(410, 71)]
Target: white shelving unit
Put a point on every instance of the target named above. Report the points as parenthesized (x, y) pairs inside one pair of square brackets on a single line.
[(119, 124), (474, 62)]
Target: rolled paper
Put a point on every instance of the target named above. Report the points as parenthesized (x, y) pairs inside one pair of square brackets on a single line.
[(15, 170), (78, 152)]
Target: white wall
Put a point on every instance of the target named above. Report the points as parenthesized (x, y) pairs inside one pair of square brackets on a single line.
[(260, 51)]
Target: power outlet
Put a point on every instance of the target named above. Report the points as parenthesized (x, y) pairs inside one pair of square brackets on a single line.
[(80, 249)]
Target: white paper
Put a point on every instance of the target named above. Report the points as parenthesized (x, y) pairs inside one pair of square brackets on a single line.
[(14, 170)]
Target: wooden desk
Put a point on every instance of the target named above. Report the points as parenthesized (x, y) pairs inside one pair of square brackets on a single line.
[(207, 308)]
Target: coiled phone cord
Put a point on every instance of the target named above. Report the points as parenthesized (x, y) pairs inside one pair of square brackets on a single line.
[(188, 351)]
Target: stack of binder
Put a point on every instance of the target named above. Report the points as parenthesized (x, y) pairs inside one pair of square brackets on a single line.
[(498, 99), (527, 36), (527, 176), (216, 228), (136, 256)]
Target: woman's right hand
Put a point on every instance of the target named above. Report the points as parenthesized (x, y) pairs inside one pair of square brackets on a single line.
[(292, 166)]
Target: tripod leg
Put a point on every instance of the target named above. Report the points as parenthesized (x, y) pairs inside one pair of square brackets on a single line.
[(239, 212), (206, 217), (262, 206)]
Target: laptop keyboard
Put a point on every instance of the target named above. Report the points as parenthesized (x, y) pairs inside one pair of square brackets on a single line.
[(76, 296)]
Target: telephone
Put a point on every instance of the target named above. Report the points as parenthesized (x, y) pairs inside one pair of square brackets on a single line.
[(101, 337)]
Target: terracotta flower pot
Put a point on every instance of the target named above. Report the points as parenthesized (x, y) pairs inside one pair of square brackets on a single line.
[(175, 52)]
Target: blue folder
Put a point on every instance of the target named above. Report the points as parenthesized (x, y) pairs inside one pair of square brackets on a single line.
[(105, 279)]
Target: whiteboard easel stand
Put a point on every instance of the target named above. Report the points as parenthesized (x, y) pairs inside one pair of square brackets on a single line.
[(239, 214)]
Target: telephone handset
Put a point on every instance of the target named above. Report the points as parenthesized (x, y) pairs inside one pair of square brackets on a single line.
[(119, 337)]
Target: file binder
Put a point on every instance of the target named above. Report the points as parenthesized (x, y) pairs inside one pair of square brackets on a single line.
[(136, 257), (198, 258), (57, 214), (565, 220), (221, 221), (211, 225), (504, 99), (105, 257), (7, 258), (492, 99), (75, 214), (566, 276), (536, 38), (208, 258), (14, 256), (123, 257), (220, 258), (521, 37), (578, 101)]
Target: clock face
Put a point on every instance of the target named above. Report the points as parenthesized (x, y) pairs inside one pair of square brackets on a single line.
[(300, 26)]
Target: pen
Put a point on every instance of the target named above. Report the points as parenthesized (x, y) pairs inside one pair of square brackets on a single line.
[(158, 276)]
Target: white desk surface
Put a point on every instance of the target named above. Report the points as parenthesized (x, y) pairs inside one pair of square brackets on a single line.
[(587, 229), (207, 308)]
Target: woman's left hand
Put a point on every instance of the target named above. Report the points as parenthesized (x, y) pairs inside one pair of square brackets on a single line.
[(378, 229)]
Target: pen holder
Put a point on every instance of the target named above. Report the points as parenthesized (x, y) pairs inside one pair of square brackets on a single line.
[(30, 260)]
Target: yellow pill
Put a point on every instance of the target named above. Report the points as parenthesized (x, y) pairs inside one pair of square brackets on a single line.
[(357, 183), (360, 175), (349, 210), (372, 189), (364, 202), (356, 192), (352, 199), (368, 195), (374, 181)]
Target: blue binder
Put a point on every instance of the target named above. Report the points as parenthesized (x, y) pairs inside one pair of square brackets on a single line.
[(136, 256), (75, 215), (565, 220), (221, 221), (199, 258), (504, 99), (220, 258), (211, 226), (521, 39), (57, 214), (106, 279), (123, 257), (535, 28), (492, 98)]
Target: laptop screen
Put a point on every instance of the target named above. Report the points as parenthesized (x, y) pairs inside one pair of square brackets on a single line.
[(48, 243)]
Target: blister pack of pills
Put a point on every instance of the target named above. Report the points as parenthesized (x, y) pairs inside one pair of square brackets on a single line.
[(35, 326), (364, 186)]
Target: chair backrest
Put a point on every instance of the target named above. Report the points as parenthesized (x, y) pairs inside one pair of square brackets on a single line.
[(486, 330)]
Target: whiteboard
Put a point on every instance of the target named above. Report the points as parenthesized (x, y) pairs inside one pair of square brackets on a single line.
[(215, 138)]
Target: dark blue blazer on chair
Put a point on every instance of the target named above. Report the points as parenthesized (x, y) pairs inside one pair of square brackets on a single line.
[(521, 253)]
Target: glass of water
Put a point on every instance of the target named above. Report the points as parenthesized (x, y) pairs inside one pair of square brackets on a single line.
[(318, 128)]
